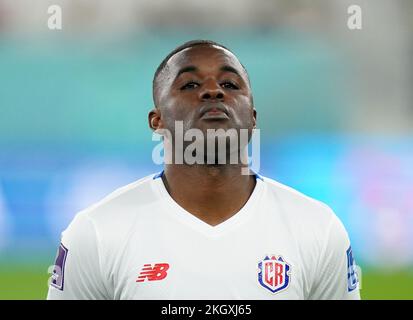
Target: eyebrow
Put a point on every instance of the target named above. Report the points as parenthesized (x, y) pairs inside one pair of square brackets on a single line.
[(186, 69), (192, 69), (227, 68)]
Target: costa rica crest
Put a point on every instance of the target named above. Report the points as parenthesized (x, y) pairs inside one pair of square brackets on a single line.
[(273, 273)]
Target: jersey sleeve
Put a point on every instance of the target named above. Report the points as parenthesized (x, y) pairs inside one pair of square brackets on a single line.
[(76, 273), (336, 272)]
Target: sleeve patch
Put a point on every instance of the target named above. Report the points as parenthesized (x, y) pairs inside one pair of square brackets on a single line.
[(352, 277), (59, 268)]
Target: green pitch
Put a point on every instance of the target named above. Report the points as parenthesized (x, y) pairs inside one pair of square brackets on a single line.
[(19, 281)]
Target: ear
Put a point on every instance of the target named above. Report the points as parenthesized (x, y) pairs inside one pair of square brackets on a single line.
[(254, 117), (154, 119)]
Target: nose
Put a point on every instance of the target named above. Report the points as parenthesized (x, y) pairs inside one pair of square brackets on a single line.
[(211, 91)]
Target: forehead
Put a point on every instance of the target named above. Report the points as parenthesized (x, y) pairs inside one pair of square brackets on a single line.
[(205, 58)]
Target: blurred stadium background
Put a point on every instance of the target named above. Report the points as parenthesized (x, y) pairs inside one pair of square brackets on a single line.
[(335, 111)]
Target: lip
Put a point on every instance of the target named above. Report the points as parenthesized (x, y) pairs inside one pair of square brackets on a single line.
[(214, 115), (214, 112)]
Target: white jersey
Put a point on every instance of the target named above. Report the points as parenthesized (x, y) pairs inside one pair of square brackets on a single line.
[(138, 243)]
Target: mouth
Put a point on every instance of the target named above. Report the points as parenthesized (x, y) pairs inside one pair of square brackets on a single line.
[(214, 112)]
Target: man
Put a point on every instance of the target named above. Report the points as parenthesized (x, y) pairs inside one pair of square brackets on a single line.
[(204, 230)]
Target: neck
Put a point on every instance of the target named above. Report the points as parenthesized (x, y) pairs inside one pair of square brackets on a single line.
[(211, 193)]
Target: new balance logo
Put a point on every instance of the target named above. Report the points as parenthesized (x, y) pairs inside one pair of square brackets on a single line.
[(157, 272)]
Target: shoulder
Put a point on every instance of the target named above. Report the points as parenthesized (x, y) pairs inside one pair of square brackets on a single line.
[(133, 196), (299, 207), (116, 213), (311, 222)]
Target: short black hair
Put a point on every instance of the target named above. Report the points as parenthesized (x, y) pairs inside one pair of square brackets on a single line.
[(188, 44)]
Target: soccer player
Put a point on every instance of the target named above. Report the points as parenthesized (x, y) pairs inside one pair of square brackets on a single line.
[(204, 231)]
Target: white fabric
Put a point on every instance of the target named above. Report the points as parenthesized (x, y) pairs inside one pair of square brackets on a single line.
[(109, 244)]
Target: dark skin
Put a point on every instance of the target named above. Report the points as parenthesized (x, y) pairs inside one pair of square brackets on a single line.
[(196, 77)]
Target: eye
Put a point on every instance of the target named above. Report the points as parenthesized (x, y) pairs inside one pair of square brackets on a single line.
[(229, 85), (190, 85)]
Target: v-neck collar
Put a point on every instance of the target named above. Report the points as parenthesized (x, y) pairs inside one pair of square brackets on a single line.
[(173, 208)]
